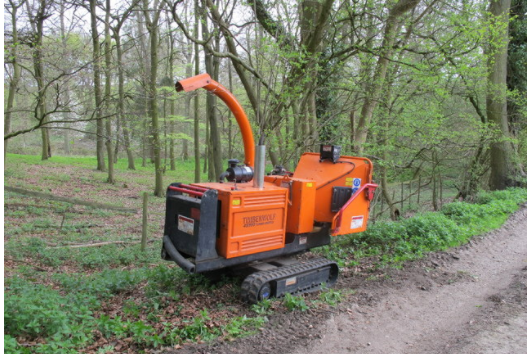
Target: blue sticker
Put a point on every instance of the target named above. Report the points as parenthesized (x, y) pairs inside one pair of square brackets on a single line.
[(354, 190), (357, 182)]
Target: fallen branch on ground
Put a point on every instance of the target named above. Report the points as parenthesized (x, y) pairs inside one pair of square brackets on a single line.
[(68, 200), (25, 262), (101, 244)]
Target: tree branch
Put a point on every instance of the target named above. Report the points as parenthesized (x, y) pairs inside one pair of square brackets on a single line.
[(274, 28)]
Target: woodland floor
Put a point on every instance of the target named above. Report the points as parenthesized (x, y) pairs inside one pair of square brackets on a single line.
[(471, 299), (467, 300)]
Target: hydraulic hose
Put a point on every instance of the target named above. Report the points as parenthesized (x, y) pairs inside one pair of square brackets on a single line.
[(223, 175), (188, 266)]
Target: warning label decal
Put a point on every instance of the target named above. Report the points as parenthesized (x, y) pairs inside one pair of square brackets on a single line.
[(291, 281), (357, 222), (186, 224)]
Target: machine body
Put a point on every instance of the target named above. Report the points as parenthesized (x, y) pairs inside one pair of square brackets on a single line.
[(219, 225)]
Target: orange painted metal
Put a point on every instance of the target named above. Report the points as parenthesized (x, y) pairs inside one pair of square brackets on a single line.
[(353, 215), (301, 202), (205, 81), (193, 83), (253, 220), (327, 175)]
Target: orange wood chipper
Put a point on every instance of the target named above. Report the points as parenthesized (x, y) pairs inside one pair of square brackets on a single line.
[(259, 222)]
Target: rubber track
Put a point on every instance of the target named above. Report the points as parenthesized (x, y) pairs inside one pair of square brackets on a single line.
[(252, 284)]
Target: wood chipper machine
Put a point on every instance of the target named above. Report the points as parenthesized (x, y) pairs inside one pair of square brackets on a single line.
[(259, 222)]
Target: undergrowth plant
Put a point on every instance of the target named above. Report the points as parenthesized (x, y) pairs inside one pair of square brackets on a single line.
[(396, 242), (295, 302), (66, 318), (35, 310), (331, 297)]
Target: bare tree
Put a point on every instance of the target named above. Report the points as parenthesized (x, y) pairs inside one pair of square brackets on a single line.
[(107, 95), (119, 19), (15, 77), (152, 16), (42, 12), (97, 86)]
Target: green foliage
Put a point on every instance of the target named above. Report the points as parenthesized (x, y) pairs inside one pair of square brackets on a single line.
[(112, 326), (66, 318), (490, 210), (142, 333), (331, 297), (11, 346), (513, 195), (242, 326), (114, 255), (263, 307), (295, 302), (104, 284), (34, 310), (163, 281), (395, 242), (198, 328)]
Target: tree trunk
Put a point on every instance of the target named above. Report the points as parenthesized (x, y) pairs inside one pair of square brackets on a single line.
[(108, 73), (37, 24), (215, 147), (229, 118), (385, 119), (165, 138), (152, 26), (516, 80), (117, 138), (496, 104), (172, 107), (65, 114), (232, 47), (97, 87), (13, 84), (144, 64), (310, 13), (144, 142), (197, 171), (188, 54), (121, 120), (121, 101)]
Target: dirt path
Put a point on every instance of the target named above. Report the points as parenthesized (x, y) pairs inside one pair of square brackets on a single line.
[(480, 310), (468, 300)]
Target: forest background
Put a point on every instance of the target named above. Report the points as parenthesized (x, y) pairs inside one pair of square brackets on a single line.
[(434, 92)]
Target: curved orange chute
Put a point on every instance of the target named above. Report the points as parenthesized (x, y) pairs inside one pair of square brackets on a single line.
[(205, 81)]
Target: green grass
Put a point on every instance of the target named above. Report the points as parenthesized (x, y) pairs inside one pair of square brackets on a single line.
[(184, 169), (408, 239)]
